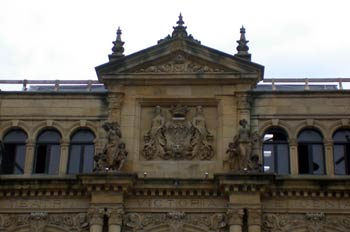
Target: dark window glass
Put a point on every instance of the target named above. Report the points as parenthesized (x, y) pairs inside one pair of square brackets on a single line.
[(341, 152), (81, 152), (47, 154), (13, 157), (310, 152), (276, 151)]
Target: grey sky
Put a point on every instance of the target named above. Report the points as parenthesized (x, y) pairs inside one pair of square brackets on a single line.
[(66, 39)]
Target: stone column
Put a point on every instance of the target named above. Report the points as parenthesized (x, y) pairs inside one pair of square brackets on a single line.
[(29, 161), (329, 158), (293, 156), (64, 157), (95, 216), (235, 219), (254, 220), (115, 101), (115, 219)]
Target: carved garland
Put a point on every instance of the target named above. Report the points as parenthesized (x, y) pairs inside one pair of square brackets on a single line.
[(178, 138), (313, 222), (38, 221), (175, 221)]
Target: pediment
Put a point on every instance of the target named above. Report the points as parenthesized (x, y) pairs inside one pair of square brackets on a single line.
[(178, 57)]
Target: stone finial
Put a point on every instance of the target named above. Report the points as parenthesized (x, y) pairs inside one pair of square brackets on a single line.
[(118, 49), (179, 32), (242, 48), (180, 29)]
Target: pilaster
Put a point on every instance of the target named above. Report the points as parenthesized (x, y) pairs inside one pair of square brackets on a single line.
[(115, 218), (254, 220), (64, 157), (235, 219), (329, 159), (115, 102), (293, 156)]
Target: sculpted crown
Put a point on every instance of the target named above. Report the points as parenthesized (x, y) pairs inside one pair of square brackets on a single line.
[(178, 111)]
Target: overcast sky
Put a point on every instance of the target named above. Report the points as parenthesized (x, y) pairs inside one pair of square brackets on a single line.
[(66, 39)]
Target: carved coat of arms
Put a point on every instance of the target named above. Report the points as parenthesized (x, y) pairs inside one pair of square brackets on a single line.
[(178, 138)]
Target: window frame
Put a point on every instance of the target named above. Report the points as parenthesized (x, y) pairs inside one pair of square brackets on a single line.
[(310, 152), (275, 145), (82, 145), (48, 147), (346, 146), (16, 144)]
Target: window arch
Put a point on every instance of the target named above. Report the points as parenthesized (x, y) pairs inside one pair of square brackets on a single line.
[(311, 152), (276, 151), (341, 152), (47, 152), (13, 157), (81, 152)]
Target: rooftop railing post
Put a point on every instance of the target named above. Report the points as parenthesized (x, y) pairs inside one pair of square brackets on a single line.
[(307, 87), (89, 86), (340, 83), (25, 82), (273, 84), (57, 85)]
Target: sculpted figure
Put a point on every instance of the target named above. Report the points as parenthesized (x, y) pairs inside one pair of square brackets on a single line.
[(114, 153), (154, 139), (241, 157), (202, 138)]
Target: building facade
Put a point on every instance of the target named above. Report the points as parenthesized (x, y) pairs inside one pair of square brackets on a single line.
[(176, 137)]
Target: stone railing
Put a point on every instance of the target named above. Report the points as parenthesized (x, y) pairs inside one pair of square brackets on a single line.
[(340, 83), (56, 84)]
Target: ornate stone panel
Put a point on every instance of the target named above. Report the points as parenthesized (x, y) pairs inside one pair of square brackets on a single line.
[(177, 133), (39, 221), (311, 222), (175, 221)]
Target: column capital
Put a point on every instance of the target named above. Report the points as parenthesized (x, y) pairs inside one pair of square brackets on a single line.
[(95, 216), (115, 215), (235, 216)]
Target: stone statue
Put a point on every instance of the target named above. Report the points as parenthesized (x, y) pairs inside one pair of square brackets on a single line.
[(203, 139), (154, 139), (114, 154), (241, 155)]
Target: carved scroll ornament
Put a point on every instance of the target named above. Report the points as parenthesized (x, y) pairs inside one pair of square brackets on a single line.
[(114, 153), (178, 138)]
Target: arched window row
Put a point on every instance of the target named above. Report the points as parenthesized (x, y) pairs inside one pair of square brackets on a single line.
[(310, 152), (47, 153)]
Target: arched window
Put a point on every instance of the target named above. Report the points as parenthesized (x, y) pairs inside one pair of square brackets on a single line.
[(341, 152), (81, 152), (13, 157), (276, 151), (47, 152), (310, 152)]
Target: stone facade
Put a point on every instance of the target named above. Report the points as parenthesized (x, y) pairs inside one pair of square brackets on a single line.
[(178, 147)]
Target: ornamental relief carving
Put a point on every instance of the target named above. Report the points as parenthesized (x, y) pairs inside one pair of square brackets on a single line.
[(312, 222), (39, 221), (180, 64), (175, 221), (173, 136)]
